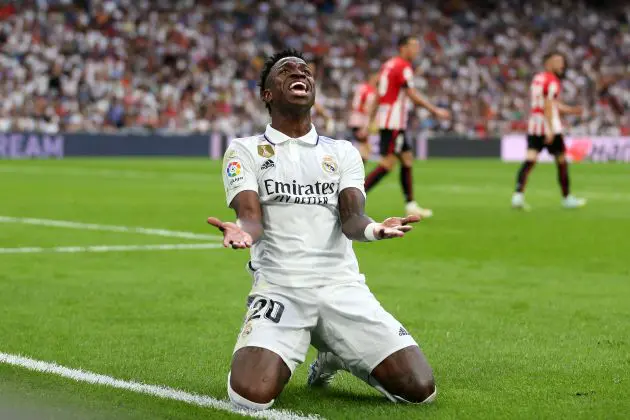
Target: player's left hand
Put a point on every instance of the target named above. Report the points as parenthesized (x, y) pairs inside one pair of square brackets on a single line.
[(395, 227), (233, 235), (363, 132), (578, 110)]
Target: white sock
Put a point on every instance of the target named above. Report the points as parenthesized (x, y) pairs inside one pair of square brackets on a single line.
[(243, 403), (395, 398)]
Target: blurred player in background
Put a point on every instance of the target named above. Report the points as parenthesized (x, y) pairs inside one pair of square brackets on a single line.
[(395, 88), (318, 109), (364, 100), (299, 204), (544, 130)]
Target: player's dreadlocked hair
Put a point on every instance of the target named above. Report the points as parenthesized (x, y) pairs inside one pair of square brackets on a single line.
[(271, 61)]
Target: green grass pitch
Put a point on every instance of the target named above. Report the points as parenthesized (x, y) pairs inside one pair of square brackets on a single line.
[(522, 315)]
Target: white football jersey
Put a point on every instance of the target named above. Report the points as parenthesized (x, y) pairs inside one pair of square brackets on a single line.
[(298, 182)]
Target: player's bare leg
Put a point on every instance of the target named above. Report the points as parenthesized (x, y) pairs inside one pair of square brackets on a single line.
[(385, 165), (568, 201), (406, 181), (518, 198), (405, 376), (257, 377)]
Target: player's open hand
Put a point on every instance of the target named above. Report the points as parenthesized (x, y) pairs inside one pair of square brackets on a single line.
[(443, 114), (233, 235), (363, 132), (578, 110), (395, 227)]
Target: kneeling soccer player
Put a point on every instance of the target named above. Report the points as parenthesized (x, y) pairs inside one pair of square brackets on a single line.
[(299, 200)]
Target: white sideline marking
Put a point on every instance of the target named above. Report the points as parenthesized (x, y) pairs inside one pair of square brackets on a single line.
[(108, 228), (154, 390), (108, 248)]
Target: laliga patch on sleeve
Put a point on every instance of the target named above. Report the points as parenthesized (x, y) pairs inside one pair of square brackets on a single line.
[(234, 173)]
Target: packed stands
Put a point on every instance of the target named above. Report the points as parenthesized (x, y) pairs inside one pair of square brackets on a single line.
[(192, 66)]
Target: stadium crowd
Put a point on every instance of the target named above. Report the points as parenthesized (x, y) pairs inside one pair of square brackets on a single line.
[(193, 65)]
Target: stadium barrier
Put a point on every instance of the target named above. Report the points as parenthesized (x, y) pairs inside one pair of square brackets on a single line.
[(31, 145), (579, 149), (463, 147)]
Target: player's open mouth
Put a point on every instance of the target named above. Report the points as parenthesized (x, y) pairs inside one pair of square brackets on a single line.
[(299, 88)]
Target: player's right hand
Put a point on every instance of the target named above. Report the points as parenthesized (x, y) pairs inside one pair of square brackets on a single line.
[(233, 235), (443, 114), (549, 138)]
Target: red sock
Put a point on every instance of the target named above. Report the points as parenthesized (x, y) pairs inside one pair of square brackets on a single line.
[(406, 182), (374, 177), (563, 177), (523, 173)]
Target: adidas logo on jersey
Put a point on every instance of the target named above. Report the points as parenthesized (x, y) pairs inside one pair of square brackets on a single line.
[(267, 164), (402, 331)]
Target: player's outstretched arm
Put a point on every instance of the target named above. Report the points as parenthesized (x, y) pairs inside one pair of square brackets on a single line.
[(570, 110), (248, 227), (357, 226), (423, 102)]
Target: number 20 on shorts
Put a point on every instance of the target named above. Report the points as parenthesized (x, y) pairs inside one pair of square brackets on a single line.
[(267, 308)]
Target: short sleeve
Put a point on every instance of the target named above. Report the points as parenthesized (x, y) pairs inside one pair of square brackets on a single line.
[(352, 171), (407, 76), (238, 171), (552, 90)]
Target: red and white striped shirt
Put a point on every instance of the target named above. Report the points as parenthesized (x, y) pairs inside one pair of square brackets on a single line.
[(396, 75), (545, 85), (364, 96)]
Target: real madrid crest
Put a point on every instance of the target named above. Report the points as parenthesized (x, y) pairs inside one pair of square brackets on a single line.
[(266, 150), (329, 165), (247, 329)]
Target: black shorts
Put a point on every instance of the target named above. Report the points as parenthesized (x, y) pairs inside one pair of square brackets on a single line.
[(393, 142), (537, 143), (355, 137)]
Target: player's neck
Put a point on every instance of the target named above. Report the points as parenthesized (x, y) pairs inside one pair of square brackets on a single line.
[(293, 126)]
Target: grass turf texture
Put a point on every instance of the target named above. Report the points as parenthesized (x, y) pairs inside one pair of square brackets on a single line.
[(522, 315)]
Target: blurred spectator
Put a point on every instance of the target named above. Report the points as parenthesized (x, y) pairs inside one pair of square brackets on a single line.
[(192, 65)]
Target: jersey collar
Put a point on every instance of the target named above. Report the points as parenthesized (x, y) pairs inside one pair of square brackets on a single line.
[(274, 136)]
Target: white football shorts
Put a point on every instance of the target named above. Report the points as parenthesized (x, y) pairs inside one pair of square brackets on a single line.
[(343, 318)]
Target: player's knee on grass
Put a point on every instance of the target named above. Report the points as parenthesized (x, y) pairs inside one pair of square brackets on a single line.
[(407, 376), (257, 377)]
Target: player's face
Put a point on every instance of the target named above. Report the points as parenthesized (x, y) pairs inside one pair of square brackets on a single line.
[(413, 49), (558, 65), (291, 83)]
